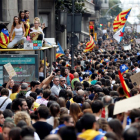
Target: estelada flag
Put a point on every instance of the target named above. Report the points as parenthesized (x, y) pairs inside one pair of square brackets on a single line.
[(124, 85), (120, 20), (90, 45), (59, 51), (4, 38)]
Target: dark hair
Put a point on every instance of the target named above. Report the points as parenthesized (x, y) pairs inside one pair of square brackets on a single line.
[(7, 113), (21, 95), (116, 126), (30, 101), (67, 133), (111, 110), (88, 123), (4, 91), (14, 24), (27, 131), (120, 91), (33, 95), (54, 109), (131, 134), (133, 92), (63, 93), (14, 133), (85, 76), (86, 105), (111, 135), (26, 11), (34, 83), (38, 91), (52, 98), (15, 88), (46, 93), (21, 124), (1, 136), (96, 106), (20, 16), (16, 103), (134, 114), (64, 118), (43, 112), (93, 76), (85, 84)]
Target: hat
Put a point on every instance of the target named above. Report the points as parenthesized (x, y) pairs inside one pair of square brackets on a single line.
[(24, 85)]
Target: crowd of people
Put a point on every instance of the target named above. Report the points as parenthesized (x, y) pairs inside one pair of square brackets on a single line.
[(72, 102)]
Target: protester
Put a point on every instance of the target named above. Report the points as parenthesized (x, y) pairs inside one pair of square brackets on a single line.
[(4, 100), (19, 30)]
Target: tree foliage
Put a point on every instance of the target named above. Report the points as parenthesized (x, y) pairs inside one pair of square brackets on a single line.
[(67, 5), (114, 11)]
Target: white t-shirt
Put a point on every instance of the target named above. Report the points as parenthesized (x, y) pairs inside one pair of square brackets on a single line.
[(10, 92), (6, 102), (50, 121), (36, 137), (28, 93)]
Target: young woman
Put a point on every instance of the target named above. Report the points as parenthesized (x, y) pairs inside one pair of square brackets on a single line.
[(36, 31), (23, 19), (19, 30), (6, 129), (75, 111)]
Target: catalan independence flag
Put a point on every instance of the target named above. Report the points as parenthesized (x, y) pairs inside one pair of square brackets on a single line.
[(124, 85), (4, 38), (90, 45), (123, 68), (120, 20), (59, 51)]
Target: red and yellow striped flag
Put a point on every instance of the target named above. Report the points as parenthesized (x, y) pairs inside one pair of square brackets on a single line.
[(124, 85), (90, 45), (120, 20)]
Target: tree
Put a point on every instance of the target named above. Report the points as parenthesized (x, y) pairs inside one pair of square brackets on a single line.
[(114, 11)]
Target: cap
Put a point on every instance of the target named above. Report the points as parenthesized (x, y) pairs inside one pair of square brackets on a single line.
[(24, 85)]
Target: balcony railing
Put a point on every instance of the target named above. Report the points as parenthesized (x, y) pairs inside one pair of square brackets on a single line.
[(90, 7)]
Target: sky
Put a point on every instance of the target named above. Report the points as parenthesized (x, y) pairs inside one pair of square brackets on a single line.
[(135, 12)]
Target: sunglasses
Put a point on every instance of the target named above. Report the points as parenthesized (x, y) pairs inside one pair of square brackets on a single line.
[(62, 80)]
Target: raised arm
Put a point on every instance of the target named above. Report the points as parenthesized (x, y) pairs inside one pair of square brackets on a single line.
[(46, 81), (11, 32)]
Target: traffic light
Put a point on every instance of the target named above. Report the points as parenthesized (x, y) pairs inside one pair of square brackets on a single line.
[(91, 30), (101, 25)]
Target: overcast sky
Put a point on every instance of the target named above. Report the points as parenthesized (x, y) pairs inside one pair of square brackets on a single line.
[(135, 4)]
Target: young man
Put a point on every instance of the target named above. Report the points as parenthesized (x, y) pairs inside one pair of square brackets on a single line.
[(86, 78), (69, 76), (55, 88), (19, 105), (4, 100), (76, 78), (89, 128), (42, 128), (34, 85)]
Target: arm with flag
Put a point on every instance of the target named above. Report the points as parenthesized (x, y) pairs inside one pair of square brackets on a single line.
[(90, 45), (124, 85), (59, 51)]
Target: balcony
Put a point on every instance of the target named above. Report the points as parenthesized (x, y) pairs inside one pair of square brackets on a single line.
[(90, 7)]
